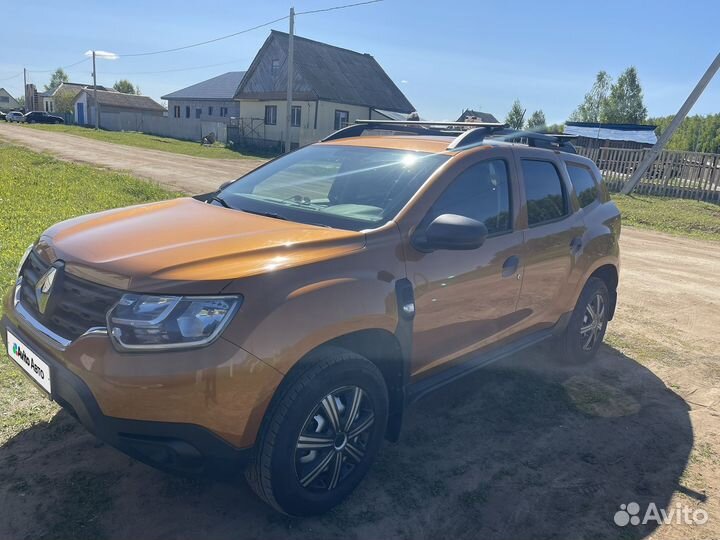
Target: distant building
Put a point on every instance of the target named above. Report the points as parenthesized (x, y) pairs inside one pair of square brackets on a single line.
[(211, 100), (332, 87), (112, 102), (469, 115), (66, 88), (599, 135), (7, 102), (45, 101)]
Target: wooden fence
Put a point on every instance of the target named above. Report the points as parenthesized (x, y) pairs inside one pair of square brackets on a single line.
[(686, 175)]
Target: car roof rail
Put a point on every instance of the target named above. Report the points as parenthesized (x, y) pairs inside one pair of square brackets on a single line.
[(466, 134), (550, 141), (415, 127)]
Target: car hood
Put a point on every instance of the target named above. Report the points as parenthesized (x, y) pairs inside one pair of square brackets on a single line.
[(186, 246)]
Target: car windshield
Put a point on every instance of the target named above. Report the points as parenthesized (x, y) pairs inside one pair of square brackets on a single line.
[(346, 187)]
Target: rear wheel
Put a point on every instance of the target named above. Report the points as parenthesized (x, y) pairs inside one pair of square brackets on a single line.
[(321, 434), (588, 322)]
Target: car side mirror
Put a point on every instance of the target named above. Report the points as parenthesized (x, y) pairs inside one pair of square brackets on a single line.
[(451, 231)]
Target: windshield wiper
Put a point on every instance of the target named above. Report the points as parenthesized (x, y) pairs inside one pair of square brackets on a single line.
[(219, 199), (266, 214)]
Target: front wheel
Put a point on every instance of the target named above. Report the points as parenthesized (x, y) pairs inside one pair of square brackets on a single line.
[(320, 434), (588, 323)]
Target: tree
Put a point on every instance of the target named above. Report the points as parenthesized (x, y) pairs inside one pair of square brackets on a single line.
[(595, 100), (64, 101), (537, 121), (57, 78), (696, 133), (21, 102), (126, 87), (516, 115), (625, 104)]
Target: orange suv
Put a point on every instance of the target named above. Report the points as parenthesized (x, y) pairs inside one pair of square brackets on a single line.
[(283, 323)]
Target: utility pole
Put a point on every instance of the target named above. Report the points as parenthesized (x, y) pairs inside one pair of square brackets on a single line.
[(676, 121), (25, 93), (97, 105), (288, 116)]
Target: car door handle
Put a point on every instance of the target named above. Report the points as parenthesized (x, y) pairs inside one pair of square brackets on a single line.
[(510, 266)]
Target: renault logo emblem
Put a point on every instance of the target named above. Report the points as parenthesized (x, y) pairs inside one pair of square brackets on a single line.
[(44, 288)]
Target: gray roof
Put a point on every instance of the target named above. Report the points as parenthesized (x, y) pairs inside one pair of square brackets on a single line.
[(325, 72), (222, 87), (481, 116), (127, 101), (75, 88)]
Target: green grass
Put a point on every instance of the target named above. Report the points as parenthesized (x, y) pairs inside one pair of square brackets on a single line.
[(37, 191), (683, 217), (150, 142)]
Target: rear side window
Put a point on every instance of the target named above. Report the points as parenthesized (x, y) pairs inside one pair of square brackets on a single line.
[(482, 192), (546, 198), (584, 184)]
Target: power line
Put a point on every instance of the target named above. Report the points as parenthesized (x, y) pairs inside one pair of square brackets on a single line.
[(61, 67), (206, 42), (12, 77), (169, 70), (245, 31), (337, 7)]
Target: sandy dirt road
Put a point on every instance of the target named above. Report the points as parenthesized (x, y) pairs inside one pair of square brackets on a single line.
[(527, 448), (175, 171)]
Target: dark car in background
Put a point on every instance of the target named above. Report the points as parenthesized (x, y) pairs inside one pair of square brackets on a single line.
[(41, 117)]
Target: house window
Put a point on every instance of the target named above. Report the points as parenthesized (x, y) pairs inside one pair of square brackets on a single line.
[(4, 99), (342, 118), (270, 115), (295, 116), (198, 112), (223, 111), (187, 111), (176, 111), (209, 111), (275, 66)]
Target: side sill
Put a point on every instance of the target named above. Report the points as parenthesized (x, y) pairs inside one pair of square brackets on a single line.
[(417, 390)]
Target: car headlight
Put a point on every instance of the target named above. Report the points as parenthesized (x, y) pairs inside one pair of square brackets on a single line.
[(146, 322), (24, 258)]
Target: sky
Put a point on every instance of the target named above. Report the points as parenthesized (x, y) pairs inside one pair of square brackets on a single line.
[(444, 55)]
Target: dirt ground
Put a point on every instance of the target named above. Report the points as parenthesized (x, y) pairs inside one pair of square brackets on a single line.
[(174, 171), (525, 449)]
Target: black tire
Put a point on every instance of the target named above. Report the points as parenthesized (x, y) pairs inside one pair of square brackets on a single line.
[(577, 345), (279, 468)]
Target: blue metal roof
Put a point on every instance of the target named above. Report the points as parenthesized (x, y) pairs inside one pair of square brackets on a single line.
[(221, 87)]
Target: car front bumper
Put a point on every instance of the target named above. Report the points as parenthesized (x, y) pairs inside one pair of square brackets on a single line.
[(190, 412)]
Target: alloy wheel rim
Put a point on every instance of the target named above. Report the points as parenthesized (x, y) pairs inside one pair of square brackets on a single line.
[(334, 439), (593, 322)]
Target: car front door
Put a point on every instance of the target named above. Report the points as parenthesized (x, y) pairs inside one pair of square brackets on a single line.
[(465, 299), (552, 241)]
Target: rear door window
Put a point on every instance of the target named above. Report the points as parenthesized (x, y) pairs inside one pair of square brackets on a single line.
[(584, 184), (544, 192)]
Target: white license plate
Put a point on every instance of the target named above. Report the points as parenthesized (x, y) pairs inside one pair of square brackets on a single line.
[(38, 370)]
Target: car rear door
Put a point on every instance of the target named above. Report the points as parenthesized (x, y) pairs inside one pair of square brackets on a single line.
[(552, 238), (466, 299)]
